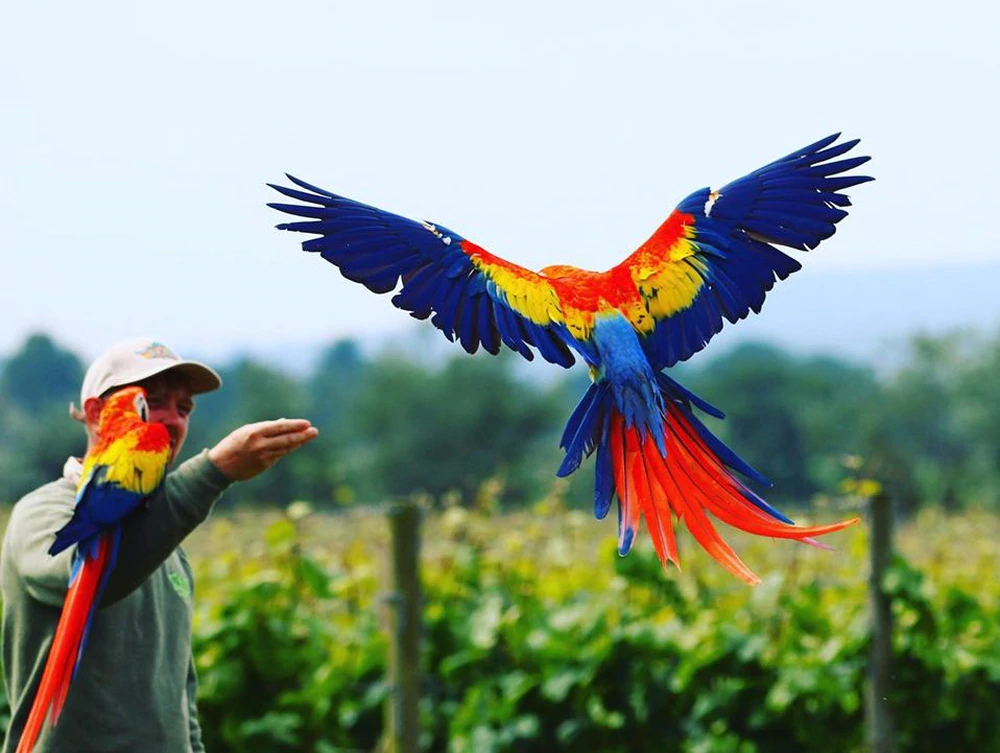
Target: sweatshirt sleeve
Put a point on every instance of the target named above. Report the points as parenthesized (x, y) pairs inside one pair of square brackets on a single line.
[(33, 523), (150, 534)]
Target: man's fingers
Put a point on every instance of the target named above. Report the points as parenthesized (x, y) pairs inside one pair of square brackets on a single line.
[(278, 447), (286, 442), (282, 426)]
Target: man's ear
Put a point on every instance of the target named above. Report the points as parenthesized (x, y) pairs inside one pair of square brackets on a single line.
[(92, 410)]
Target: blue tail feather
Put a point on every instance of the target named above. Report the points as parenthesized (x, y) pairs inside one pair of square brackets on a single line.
[(581, 432), (604, 479)]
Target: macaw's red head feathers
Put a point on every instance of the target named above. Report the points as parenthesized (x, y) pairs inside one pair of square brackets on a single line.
[(123, 408), (124, 419)]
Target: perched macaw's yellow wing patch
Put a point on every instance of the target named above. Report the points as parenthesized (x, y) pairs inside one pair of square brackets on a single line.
[(469, 294), (130, 465), (714, 257)]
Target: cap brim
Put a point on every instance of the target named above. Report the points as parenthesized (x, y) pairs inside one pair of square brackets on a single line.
[(200, 378)]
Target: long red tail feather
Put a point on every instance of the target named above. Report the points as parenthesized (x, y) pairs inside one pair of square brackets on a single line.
[(690, 481), (660, 525), (64, 652)]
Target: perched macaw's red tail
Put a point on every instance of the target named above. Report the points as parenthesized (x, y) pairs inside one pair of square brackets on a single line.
[(667, 463), (67, 644)]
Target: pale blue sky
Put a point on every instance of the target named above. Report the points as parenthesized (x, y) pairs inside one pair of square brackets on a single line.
[(137, 139)]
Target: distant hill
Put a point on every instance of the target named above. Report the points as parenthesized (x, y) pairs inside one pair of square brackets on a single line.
[(870, 316)]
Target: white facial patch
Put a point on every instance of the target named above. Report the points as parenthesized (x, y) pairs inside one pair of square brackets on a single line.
[(141, 407)]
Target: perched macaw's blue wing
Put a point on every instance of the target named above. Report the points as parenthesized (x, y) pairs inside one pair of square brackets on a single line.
[(714, 257), (100, 504), (469, 294)]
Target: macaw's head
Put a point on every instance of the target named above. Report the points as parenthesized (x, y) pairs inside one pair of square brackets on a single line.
[(121, 409)]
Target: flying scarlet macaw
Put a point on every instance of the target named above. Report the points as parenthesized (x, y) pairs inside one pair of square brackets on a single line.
[(126, 465), (714, 258)]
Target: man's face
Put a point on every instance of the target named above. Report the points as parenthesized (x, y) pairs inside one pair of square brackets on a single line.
[(171, 404)]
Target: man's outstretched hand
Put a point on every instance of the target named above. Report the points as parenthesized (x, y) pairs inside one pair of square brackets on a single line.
[(253, 448)]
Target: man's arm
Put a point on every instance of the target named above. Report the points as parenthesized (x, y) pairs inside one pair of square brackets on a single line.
[(30, 531), (152, 532)]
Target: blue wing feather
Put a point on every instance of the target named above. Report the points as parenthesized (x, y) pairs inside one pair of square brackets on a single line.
[(100, 505), (438, 279), (604, 479), (793, 202), (488, 330), (583, 429)]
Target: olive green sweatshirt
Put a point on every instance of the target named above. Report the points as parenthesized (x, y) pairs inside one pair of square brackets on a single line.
[(135, 684)]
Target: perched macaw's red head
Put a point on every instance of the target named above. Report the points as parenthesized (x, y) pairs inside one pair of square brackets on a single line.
[(133, 450), (122, 410), (124, 419)]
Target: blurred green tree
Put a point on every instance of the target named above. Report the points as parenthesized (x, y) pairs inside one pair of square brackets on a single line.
[(451, 429), (39, 375), (752, 385), (36, 434), (254, 392), (793, 419)]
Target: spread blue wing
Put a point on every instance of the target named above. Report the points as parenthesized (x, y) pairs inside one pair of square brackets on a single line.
[(468, 294), (715, 257)]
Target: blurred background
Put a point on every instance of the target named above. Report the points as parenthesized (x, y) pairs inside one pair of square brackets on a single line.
[(132, 201)]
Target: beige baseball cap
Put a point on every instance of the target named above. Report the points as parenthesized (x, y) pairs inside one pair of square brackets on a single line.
[(131, 361)]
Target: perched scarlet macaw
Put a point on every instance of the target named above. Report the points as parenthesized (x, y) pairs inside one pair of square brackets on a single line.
[(712, 259), (126, 465)]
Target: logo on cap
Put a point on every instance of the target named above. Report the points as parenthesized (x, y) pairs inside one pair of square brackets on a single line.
[(157, 350)]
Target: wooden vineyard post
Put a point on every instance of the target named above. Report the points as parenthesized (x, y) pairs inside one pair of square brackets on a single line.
[(404, 623), (879, 711)]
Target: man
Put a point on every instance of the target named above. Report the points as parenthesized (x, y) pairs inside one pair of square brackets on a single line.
[(135, 687)]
